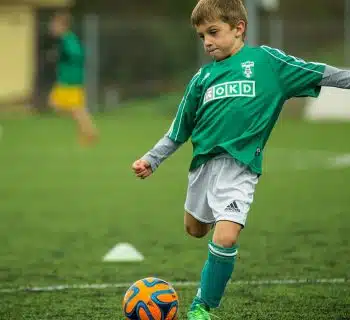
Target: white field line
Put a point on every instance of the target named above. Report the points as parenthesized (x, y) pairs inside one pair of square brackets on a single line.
[(176, 284), (341, 161)]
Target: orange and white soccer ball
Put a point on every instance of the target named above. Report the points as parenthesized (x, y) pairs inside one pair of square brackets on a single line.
[(151, 299)]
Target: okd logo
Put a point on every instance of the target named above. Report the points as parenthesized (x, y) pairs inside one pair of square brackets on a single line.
[(229, 90)]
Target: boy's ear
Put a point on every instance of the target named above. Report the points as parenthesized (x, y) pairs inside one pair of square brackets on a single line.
[(240, 27)]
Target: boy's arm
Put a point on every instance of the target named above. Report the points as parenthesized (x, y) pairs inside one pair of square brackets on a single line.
[(181, 128), (296, 77), (161, 151), (334, 77)]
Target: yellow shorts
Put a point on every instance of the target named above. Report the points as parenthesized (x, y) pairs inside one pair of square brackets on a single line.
[(67, 98)]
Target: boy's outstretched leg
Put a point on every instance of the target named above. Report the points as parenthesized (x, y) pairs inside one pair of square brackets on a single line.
[(217, 270), (87, 130)]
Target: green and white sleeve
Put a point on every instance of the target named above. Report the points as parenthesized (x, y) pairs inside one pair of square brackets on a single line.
[(183, 124), (296, 77)]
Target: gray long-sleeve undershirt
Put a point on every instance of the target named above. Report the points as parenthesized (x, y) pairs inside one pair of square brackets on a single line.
[(165, 147), (334, 77)]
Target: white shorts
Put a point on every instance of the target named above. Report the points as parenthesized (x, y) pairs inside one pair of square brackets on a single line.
[(221, 189)]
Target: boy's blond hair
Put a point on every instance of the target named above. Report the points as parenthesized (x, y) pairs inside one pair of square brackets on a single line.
[(228, 11)]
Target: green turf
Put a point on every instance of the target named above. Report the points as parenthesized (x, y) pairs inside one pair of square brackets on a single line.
[(63, 207), (311, 302)]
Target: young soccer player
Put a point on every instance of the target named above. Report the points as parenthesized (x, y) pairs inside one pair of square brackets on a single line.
[(68, 94), (229, 110)]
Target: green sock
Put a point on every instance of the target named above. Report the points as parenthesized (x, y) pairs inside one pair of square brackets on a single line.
[(216, 273)]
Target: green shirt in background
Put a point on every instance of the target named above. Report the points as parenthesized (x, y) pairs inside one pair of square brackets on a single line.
[(70, 66)]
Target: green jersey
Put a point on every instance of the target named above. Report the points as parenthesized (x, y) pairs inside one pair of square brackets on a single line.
[(70, 66), (231, 106)]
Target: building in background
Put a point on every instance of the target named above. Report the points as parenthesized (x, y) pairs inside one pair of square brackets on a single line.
[(18, 62)]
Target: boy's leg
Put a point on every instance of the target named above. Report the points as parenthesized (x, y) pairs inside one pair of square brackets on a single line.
[(194, 227), (229, 196), (87, 129), (218, 268), (198, 219), (72, 100)]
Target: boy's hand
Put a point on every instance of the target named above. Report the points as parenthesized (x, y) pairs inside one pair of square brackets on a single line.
[(142, 168)]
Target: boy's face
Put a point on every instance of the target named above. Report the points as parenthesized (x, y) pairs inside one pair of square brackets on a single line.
[(220, 40), (57, 26)]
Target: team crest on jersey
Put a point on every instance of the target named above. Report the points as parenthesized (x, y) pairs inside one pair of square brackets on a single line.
[(248, 69)]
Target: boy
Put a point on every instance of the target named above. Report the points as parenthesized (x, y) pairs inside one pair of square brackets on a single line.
[(68, 93), (229, 109)]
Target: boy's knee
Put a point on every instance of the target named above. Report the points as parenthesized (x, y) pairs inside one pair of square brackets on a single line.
[(226, 234), (226, 241), (195, 231), (194, 227)]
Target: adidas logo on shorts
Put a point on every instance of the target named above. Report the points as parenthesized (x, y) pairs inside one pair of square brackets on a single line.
[(232, 207)]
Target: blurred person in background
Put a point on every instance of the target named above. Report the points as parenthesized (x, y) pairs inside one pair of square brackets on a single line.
[(68, 94)]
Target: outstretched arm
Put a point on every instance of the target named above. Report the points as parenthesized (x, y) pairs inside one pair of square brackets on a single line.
[(299, 78), (334, 77), (164, 148), (179, 132)]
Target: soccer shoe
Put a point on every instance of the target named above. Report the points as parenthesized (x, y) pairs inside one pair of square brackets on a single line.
[(199, 313)]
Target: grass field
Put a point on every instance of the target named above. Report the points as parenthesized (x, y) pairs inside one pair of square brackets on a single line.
[(62, 208)]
